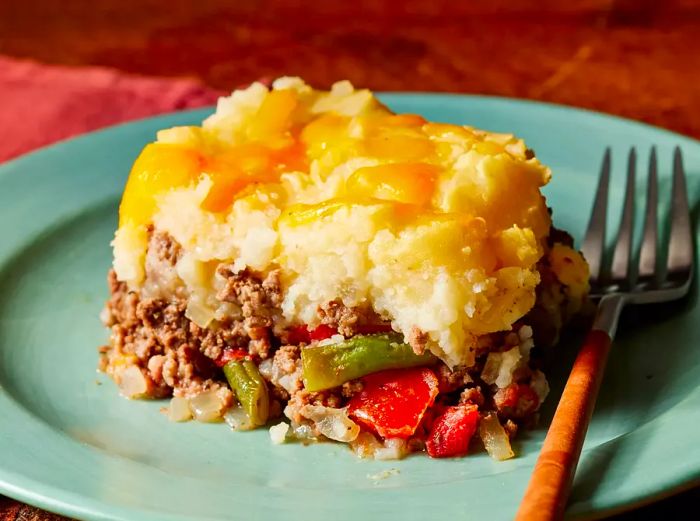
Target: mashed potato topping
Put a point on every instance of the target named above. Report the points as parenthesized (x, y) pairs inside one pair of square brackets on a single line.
[(437, 227)]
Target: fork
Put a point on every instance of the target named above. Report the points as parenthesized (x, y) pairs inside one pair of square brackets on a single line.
[(615, 285)]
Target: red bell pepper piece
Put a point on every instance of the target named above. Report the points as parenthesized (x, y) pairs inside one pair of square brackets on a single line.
[(302, 334), (231, 353), (392, 403), (298, 335), (451, 431), (322, 332)]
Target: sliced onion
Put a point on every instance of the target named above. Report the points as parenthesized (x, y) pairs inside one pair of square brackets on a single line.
[(179, 409), (394, 448), (290, 382), (495, 438), (198, 312), (132, 382), (238, 419), (490, 371), (278, 433), (304, 432), (206, 406), (365, 445), (332, 423), (265, 368)]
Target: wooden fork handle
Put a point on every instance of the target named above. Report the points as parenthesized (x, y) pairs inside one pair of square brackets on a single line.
[(550, 483)]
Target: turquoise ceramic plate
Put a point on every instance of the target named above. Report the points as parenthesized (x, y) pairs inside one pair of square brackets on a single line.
[(70, 444)]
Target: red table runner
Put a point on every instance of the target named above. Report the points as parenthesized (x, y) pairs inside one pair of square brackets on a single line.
[(41, 104)]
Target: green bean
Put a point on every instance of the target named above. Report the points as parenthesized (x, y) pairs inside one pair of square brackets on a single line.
[(250, 389), (332, 365)]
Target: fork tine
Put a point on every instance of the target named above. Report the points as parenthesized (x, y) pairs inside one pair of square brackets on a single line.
[(680, 248), (647, 252), (623, 245), (594, 242)]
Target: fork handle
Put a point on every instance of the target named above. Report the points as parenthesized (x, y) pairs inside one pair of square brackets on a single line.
[(551, 480)]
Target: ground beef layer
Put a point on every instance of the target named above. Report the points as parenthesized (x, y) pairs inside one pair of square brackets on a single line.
[(156, 351)]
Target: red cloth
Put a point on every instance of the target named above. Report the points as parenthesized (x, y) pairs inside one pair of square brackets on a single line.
[(40, 104)]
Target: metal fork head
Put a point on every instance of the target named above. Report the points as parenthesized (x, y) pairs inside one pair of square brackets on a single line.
[(650, 280)]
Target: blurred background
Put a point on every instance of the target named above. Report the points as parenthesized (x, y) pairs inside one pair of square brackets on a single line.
[(76, 65), (639, 59)]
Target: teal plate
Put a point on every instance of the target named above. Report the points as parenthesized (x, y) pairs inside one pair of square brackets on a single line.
[(70, 444)]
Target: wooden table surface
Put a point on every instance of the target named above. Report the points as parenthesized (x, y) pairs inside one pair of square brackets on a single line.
[(639, 59)]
